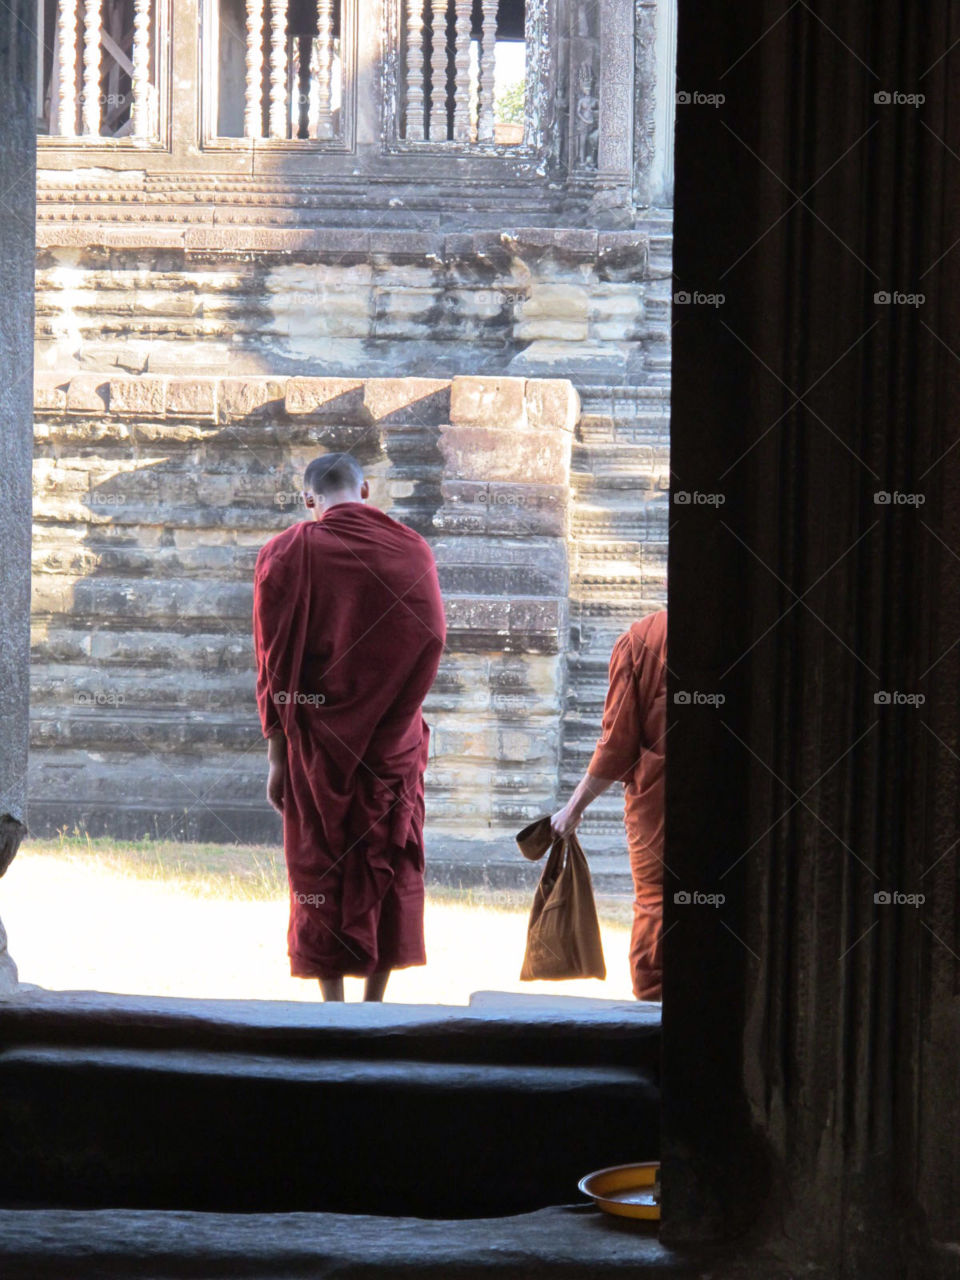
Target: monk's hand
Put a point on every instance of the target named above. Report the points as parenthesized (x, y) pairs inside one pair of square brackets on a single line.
[(277, 777), (276, 780), (565, 821)]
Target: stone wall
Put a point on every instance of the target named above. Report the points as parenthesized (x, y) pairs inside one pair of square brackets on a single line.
[(267, 299), (153, 496)]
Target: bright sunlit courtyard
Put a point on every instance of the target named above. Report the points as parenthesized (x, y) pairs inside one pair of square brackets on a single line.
[(155, 918)]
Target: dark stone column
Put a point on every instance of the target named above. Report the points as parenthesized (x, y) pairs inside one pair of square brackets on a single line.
[(17, 205), (811, 1029)]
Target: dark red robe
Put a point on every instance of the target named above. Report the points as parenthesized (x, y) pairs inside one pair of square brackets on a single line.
[(349, 628)]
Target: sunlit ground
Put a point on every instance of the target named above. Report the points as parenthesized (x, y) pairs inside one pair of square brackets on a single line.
[(205, 920)]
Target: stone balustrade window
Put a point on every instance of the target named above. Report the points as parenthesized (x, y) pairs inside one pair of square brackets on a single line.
[(99, 69), (447, 76), (463, 71), (278, 71)]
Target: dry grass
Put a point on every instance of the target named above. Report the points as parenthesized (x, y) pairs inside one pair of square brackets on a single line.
[(256, 873)]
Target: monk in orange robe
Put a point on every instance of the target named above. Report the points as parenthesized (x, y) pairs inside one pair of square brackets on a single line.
[(349, 628), (631, 750)]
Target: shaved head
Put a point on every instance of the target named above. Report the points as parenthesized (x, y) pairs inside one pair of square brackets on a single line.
[(333, 473)]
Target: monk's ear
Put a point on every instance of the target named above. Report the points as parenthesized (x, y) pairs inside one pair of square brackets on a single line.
[(308, 499), (364, 491)]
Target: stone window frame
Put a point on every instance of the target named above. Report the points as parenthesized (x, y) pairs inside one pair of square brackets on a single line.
[(163, 139), (545, 28), (210, 141)]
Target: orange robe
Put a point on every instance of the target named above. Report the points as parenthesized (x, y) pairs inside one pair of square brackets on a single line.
[(349, 629), (631, 749)]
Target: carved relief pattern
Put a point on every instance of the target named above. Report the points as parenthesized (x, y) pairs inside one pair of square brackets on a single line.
[(587, 131)]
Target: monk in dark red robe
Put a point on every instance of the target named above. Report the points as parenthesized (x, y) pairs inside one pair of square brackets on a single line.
[(631, 751), (349, 628)]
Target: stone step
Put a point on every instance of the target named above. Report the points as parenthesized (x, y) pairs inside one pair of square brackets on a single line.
[(615, 607), (567, 1240), (646, 522), (594, 489), (165, 649), (584, 709), (599, 550), (602, 458), (619, 393), (389, 1089), (606, 583), (133, 601)]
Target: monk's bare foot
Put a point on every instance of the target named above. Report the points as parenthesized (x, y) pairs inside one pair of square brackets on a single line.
[(332, 988), (376, 985)]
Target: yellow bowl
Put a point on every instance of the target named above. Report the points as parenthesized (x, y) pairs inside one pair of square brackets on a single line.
[(626, 1190)]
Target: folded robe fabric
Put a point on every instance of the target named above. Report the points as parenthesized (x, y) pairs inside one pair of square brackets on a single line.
[(563, 936), (349, 629)]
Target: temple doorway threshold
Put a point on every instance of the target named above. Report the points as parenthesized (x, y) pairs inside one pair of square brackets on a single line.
[(491, 1110)]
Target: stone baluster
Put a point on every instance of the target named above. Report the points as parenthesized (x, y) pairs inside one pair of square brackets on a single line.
[(461, 98), (414, 129), (67, 68), (324, 66), (278, 68), (141, 123), (488, 63), (253, 100), (438, 66), (90, 105)]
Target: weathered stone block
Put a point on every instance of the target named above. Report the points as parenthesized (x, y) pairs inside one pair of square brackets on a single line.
[(192, 397), (623, 255), (52, 478), (617, 330), (405, 244), (496, 579), (522, 745), (88, 393), (407, 401), (474, 741), (556, 302), (467, 613), (49, 392), (546, 616), (550, 328), (472, 453), (552, 403), (573, 242), (243, 397), (141, 396), (488, 402), (462, 520), (339, 398)]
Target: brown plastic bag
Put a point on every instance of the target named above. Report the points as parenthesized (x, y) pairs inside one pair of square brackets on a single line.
[(563, 936)]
